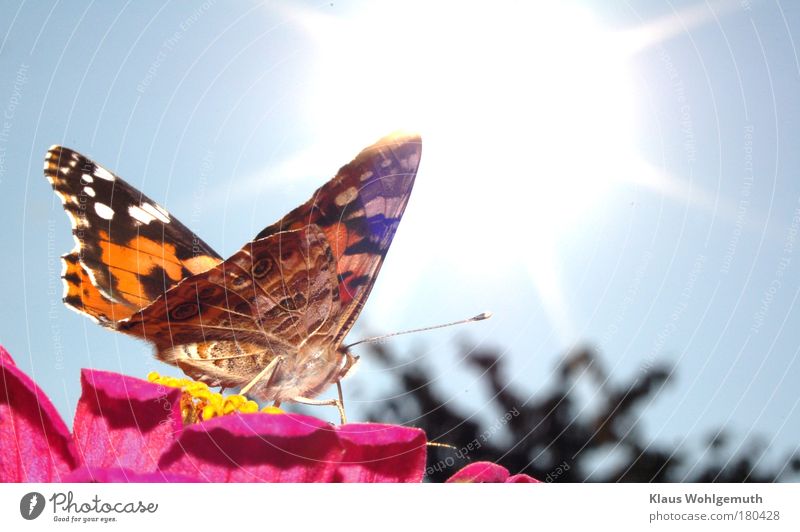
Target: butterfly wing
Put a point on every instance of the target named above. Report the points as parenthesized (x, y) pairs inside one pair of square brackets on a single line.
[(359, 210), (293, 292), (274, 297), (129, 250)]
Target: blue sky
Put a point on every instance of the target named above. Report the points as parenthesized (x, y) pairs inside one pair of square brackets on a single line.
[(623, 177)]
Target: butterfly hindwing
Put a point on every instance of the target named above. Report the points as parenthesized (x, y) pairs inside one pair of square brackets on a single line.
[(272, 297), (128, 248)]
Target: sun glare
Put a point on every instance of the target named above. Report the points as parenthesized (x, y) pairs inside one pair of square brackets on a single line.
[(532, 100), (525, 111)]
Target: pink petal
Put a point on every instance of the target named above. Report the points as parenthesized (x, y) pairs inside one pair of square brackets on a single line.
[(123, 422), (89, 474), (35, 444), (5, 357), (480, 472), (256, 448), (381, 453)]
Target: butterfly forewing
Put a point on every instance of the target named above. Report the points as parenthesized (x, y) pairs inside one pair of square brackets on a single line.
[(359, 210), (129, 248)]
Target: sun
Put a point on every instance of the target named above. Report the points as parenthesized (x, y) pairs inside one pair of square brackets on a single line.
[(534, 95), (526, 111)]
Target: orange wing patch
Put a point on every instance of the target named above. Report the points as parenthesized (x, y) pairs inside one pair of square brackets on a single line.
[(81, 295), (128, 262), (142, 252)]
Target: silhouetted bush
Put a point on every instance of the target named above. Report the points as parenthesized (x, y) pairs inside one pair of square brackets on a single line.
[(551, 436)]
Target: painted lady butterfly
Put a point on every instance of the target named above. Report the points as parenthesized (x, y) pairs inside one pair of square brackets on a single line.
[(271, 318)]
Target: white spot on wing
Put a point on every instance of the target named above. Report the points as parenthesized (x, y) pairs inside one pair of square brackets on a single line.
[(103, 211), (86, 178), (139, 214), (159, 213), (346, 196), (102, 173), (89, 191)]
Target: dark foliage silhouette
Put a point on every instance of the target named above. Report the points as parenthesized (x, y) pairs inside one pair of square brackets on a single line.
[(552, 437)]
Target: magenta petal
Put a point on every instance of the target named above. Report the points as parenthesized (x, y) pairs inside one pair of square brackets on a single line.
[(5, 358), (521, 479), (381, 453), (256, 448), (480, 472), (90, 474), (123, 422), (35, 444)]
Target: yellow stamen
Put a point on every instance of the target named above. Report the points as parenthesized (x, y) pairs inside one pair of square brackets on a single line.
[(199, 403), (249, 407)]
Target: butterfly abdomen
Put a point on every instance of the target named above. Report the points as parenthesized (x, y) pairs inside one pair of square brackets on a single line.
[(300, 373)]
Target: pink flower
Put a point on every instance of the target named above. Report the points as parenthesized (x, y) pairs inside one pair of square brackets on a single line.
[(128, 429), (36, 444), (481, 472)]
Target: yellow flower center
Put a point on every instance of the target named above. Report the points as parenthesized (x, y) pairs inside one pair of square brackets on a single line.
[(198, 403)]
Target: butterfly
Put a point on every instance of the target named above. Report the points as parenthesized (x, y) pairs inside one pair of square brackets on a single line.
[(270, 319)]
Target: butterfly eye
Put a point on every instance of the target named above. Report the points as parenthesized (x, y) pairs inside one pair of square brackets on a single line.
[(184, 311), (261, 268)]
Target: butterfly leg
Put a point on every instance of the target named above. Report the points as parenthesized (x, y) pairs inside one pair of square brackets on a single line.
[(338, 403), (341, 401), (267, 372)]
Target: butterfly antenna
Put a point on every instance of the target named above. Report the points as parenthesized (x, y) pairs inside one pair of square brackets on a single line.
[(479, 317)]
